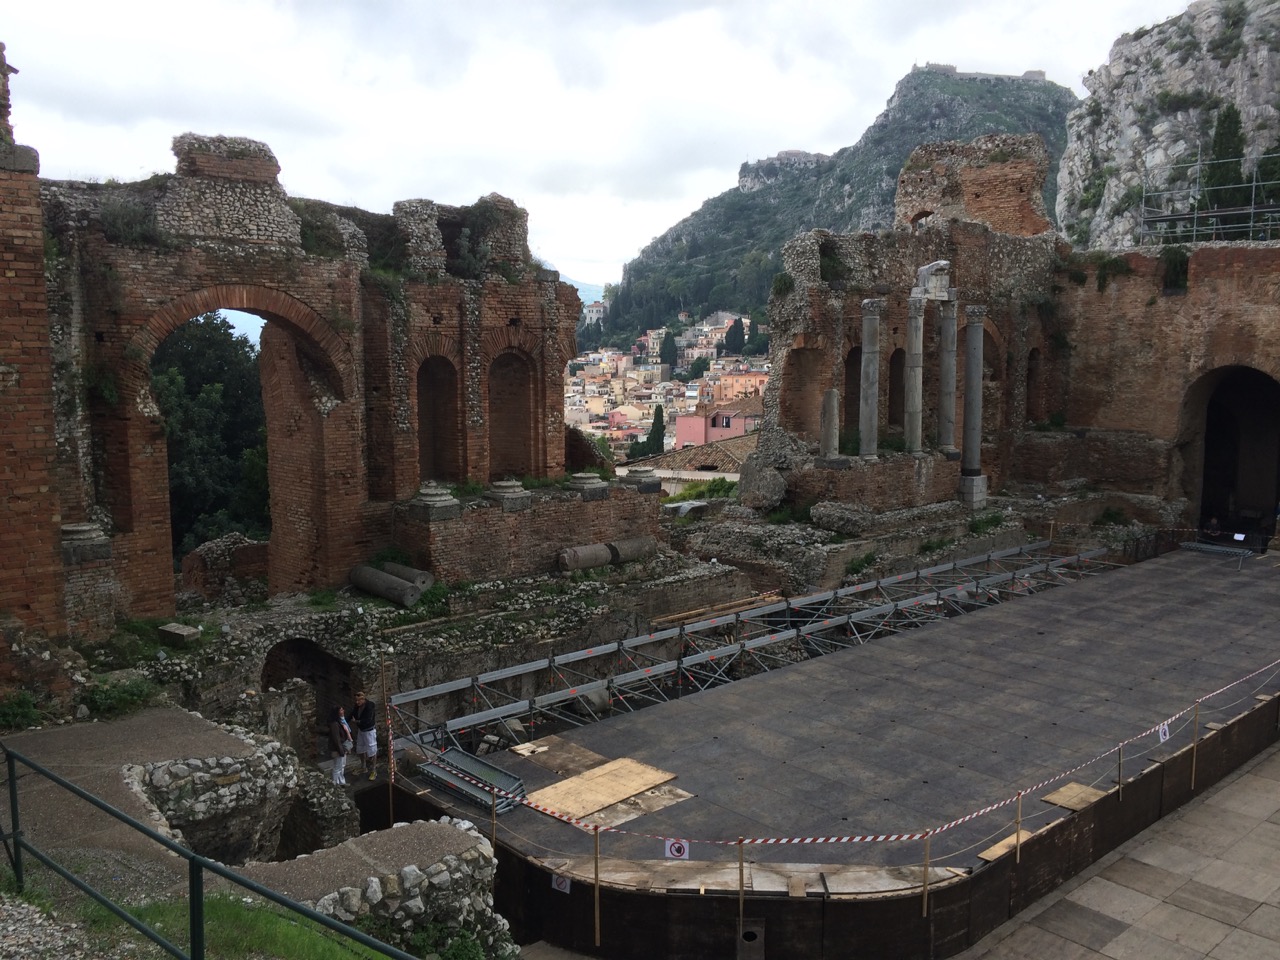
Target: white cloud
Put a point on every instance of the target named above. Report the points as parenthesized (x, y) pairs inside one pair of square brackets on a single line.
[(609, 120)]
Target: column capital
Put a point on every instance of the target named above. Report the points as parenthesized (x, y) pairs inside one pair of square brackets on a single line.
[(975, 314), (874, 305)]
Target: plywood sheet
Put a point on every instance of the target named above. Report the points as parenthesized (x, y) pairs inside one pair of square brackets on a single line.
[(1074, 796), (996, 851), (600, 787)]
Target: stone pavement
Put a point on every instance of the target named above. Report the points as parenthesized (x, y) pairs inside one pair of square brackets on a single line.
[(1204, 882)]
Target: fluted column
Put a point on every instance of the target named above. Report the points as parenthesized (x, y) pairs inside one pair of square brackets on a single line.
[(913, 388), (869, 394)]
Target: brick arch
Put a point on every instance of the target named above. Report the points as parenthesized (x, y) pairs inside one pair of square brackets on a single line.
[(433, 343), (521, 339), (326, 346)]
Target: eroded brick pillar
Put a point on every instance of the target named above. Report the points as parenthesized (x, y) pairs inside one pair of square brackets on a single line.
[(30, 516)]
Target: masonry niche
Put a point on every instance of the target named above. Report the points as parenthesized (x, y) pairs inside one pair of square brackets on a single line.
[(851, 401), (897, 389), (511, 416), (439, 422), (800, 406)]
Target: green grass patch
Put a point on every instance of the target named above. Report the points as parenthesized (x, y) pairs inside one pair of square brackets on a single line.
[(705, 490), (985, 523), (934, 544), (236, 930), (467, 488), (325, 599), (116, 698), (19, 711), (858, 565), (791, 513), (1111, 516)]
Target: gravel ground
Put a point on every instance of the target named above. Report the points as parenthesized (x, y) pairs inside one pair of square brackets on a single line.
[(26, 931)]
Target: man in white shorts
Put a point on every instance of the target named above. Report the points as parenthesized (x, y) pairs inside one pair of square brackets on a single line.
[(362, 718)]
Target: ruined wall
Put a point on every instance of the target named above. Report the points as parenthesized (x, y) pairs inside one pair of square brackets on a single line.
[(896, 481), (339, 356), (490, 543), (997, 180)]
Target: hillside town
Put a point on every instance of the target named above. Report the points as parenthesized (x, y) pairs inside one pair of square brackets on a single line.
[(710, 392)]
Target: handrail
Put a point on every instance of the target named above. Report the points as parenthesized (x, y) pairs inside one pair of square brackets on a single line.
[(196, 866)]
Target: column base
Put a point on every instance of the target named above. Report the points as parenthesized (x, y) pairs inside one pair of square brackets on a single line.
[(973, 492)]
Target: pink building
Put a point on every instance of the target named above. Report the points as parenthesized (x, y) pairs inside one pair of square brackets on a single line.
[(709, 423)]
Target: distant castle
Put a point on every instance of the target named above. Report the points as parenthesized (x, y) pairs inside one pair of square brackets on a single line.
[(951, 69)]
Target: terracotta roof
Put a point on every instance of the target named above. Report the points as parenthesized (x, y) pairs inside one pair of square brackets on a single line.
[(723, 456)]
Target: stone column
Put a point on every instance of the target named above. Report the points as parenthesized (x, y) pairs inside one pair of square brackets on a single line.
[(947, 375), (829, 425), (973, 485), (869, 395), (913, 388)]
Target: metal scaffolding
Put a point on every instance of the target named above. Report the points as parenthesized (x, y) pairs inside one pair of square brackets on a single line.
[(1191, 206), (633, 673)]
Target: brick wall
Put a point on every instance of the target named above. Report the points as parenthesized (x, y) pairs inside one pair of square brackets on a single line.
[(30, 516), (486, 543), (892, 482)]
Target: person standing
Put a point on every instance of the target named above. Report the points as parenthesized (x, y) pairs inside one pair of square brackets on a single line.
[(340, 743), (366, 734)]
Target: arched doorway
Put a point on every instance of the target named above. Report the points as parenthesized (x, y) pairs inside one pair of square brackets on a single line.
[(439, 431), (1237, 413), (511, 409)]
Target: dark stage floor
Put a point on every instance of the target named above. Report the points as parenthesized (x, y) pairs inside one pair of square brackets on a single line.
[(911, 731)]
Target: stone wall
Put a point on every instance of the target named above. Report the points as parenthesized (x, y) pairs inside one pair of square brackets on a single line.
[(455, 893), (893, 482)]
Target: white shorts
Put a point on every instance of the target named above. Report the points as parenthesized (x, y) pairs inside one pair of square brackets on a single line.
[(367, 742)]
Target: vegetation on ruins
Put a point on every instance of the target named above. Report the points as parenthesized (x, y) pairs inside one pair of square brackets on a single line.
[(716, 487), (726, 255), (204, 377)]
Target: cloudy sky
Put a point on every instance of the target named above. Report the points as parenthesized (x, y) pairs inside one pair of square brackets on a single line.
[(608, 120)]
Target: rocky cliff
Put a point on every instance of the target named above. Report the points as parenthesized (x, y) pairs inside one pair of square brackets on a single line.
[(724, 256), (1151, 112)]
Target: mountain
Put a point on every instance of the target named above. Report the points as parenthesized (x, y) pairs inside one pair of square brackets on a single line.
[(589, 292), (724, 255), (1153, 110)]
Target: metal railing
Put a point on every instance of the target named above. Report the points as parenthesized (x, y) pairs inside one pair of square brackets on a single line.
[(1191, 206), (197, 866)]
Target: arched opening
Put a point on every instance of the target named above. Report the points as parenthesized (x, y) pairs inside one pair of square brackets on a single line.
[(330, 677), (897, 389), (800, 403), (851, 402), (510, 417), (992, 360), (439, 429), (1241, 448), (1036, 405)]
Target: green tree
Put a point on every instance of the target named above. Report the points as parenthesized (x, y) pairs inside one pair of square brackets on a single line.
[(757, 343), (204, 378), (667, 352), (654, 443), (699, 367), (735, 338), (1223, 178)]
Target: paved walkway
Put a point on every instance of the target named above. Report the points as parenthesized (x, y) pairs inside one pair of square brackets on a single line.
[(1204, 882)]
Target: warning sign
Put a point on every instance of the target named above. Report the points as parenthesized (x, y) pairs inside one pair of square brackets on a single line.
[(677, 849), (560, 883), (1164, 731)]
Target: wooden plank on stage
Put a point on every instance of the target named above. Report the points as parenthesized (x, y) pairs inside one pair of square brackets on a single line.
[(996, 851), (600, 787), (1074, 796)]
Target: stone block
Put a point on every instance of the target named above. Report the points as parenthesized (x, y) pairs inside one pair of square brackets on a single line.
[(973, 492), (509, 495), (180, 636)]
